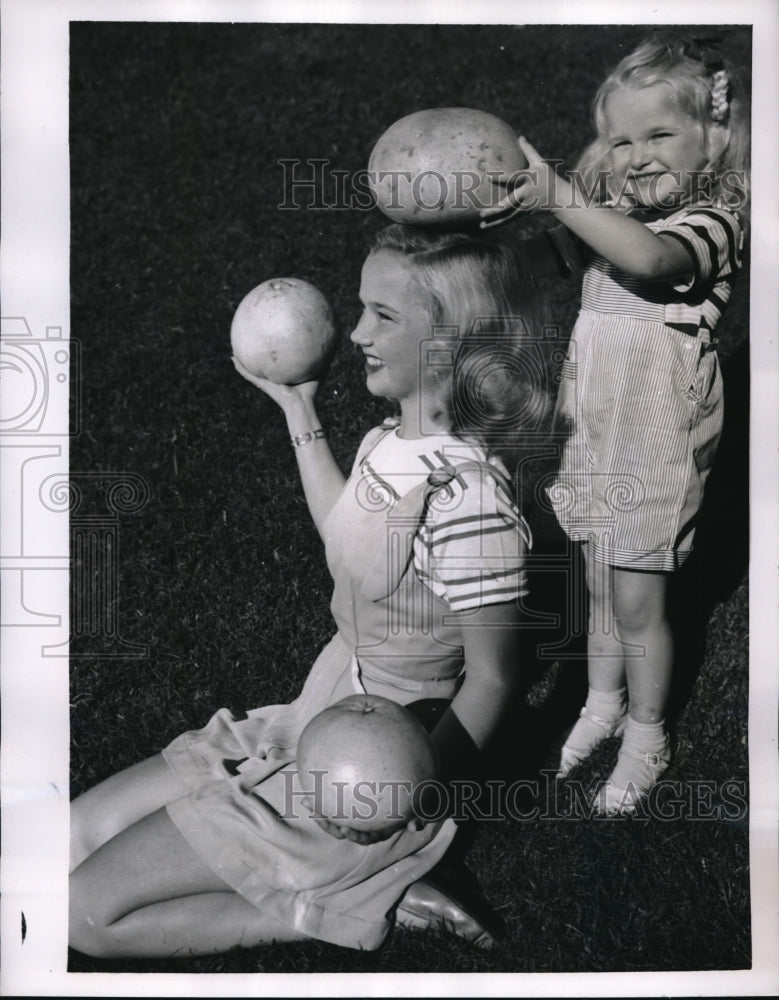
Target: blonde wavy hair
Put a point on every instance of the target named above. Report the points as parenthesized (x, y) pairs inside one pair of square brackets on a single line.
[(478, 290)]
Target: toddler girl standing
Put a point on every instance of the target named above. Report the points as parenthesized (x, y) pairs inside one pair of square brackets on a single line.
[(656, 215)]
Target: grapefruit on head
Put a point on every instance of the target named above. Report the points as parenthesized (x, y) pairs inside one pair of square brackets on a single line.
[(283, 330), (360, 761), (433, 167)]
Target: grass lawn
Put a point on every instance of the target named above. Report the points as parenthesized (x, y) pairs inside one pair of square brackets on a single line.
[(176, 133)]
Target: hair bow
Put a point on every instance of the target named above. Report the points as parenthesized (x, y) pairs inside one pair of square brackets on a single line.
[(706, 50)]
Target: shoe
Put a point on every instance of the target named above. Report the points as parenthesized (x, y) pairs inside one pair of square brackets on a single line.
[(450, 904), (623, 797), (571, 755)]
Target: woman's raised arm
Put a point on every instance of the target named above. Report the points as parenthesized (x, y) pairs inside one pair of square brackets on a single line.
[(320, 474)]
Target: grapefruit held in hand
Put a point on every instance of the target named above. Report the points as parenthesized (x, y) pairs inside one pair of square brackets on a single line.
[(283, 330), (360, 761)]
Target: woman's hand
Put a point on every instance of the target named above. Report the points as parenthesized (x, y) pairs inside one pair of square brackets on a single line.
[(283, 395), (363, 837), (367, 837), (536, 188)]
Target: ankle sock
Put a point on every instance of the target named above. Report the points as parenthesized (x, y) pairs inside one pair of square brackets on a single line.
[(643, 757), (609, 707), (607, 704), (645, 737)]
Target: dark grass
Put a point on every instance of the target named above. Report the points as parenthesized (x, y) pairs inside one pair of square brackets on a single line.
[(176, 131)]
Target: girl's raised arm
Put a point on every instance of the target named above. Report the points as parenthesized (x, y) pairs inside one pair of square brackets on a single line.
[(320, 474), (625, 242)]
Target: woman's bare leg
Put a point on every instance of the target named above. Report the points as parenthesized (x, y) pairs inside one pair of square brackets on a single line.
[(145, 893), (118, 802)]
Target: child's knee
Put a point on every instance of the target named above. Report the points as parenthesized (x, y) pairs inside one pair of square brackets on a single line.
[(639, 604), (630, 620), (634, 619)]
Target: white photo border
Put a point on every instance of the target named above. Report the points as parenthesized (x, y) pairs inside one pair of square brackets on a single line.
[(34, 267)]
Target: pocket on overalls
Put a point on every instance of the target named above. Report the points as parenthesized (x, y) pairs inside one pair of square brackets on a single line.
[(704, 376)]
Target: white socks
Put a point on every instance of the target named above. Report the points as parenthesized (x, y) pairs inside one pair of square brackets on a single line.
[(603, 716), (607, 704), (643, 756)]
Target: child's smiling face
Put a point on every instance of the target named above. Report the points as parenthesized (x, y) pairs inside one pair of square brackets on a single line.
[(654, 146)]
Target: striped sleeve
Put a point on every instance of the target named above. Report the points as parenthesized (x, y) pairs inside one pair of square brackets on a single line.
[(472, 546), (714, 239)]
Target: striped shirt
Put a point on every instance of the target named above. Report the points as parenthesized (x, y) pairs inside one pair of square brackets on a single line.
[(471, 543), (714, 239)]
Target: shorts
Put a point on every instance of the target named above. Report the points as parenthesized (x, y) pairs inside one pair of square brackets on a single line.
[(639, 416), (244, 818)]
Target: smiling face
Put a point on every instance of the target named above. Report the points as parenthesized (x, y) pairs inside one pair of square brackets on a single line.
[(393, 325), (654, 146)]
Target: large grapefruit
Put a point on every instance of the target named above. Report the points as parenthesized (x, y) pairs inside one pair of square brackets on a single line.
[(360, 761), (283, 330), (433, 167)]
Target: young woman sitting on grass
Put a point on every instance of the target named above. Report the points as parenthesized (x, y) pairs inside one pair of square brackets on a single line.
[(194, 851)]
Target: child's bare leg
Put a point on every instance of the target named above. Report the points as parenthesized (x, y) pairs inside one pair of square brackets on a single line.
[(146, 893), (642, 624), (605, 649), (604, 712), (118, 802)]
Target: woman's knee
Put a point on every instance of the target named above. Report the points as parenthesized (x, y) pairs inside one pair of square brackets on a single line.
[(115, 804), (88, 930), (90, 827)]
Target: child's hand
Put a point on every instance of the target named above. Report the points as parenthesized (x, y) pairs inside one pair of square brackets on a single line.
[(532, 189), (283, 395)]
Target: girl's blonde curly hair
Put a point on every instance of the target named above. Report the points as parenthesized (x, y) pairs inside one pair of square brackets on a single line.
[(707, 88)]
